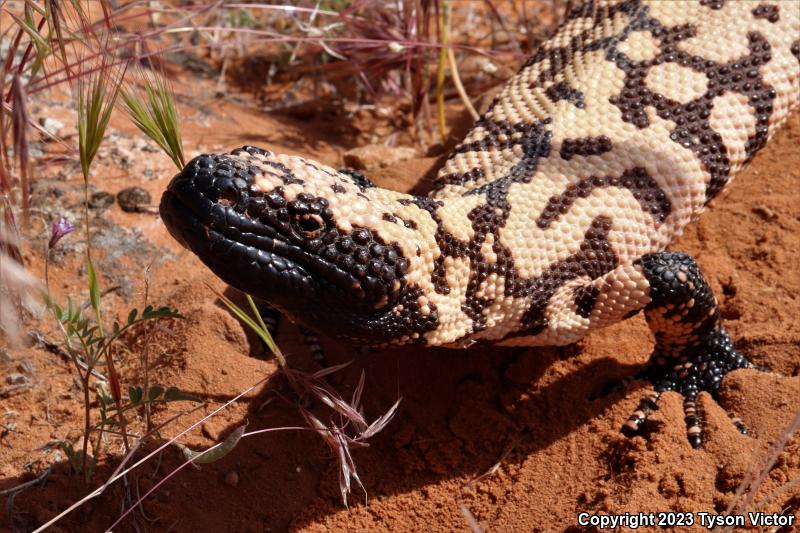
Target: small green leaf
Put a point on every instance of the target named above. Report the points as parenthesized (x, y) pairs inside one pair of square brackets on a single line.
[(94, 287), (91, 335), (216, 453), (174, 394), (154, 392), (116, 328), (103, 394), (132, 316), (135, 394)]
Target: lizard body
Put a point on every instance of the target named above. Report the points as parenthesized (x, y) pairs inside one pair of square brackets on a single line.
[(549, 220)]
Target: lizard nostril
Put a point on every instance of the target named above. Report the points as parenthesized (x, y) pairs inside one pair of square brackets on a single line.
[(310, 225), (228, 197)]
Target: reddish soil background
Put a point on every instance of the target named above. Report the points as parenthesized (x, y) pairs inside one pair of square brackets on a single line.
[(514, 440)]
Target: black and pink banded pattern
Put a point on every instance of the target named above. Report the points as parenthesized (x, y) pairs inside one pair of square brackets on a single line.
[(549, 220)]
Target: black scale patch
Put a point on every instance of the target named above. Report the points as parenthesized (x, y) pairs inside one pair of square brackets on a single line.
[(457, 179), (692, 129), (359, 179), (594, 259), (562, 91), (585, 298), (642, 186), (713, 4), (770, 12), (585, 146)]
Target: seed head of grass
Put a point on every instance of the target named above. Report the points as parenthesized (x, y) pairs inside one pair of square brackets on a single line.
[(153, 111), (97, 94)]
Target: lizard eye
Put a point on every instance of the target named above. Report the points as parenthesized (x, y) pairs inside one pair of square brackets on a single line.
[(310, 225)]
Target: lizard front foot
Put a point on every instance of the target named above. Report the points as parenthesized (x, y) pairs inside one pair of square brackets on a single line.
[(693, 351), (701, 367)]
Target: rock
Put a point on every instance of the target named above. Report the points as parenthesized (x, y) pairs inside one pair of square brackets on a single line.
[(376, 156), (101, 200), (35, 150), (232, 478), (134, 199), (51, 125), (16, 379)]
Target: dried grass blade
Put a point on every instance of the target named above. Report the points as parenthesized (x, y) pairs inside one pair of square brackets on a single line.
[(19, 125), (335, 402), (53, 15), (356, 401), (330, 370), (381, 422)]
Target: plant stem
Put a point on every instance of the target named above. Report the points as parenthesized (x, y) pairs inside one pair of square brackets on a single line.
[(47, 270), (87, 427), (113, 377), (451, 59), (444, 39), (145, 358)]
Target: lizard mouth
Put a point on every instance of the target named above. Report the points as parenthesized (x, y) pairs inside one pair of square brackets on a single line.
[(211, 209), (240, 252)]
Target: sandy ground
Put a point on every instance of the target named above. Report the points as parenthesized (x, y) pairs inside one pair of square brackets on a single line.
[(518, 440)]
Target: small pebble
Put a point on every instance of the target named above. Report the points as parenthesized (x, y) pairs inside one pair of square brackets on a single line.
[(232, 478), (101, 200), (51, 125), (16, 379), (134, 199)]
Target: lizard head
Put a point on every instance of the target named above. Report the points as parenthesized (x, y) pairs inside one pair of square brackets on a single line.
[(321, 245)]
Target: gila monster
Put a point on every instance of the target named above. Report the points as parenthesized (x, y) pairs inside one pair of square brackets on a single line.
[(549, 220)]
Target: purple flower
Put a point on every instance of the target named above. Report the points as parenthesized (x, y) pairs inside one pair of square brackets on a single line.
[(60, 229)]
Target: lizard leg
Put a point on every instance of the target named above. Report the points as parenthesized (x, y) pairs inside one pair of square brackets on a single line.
[(311, 340), (693, 352), (270, 316)]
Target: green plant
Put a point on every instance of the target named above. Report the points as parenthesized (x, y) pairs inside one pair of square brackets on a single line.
[(87, 341), (155, 114)]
